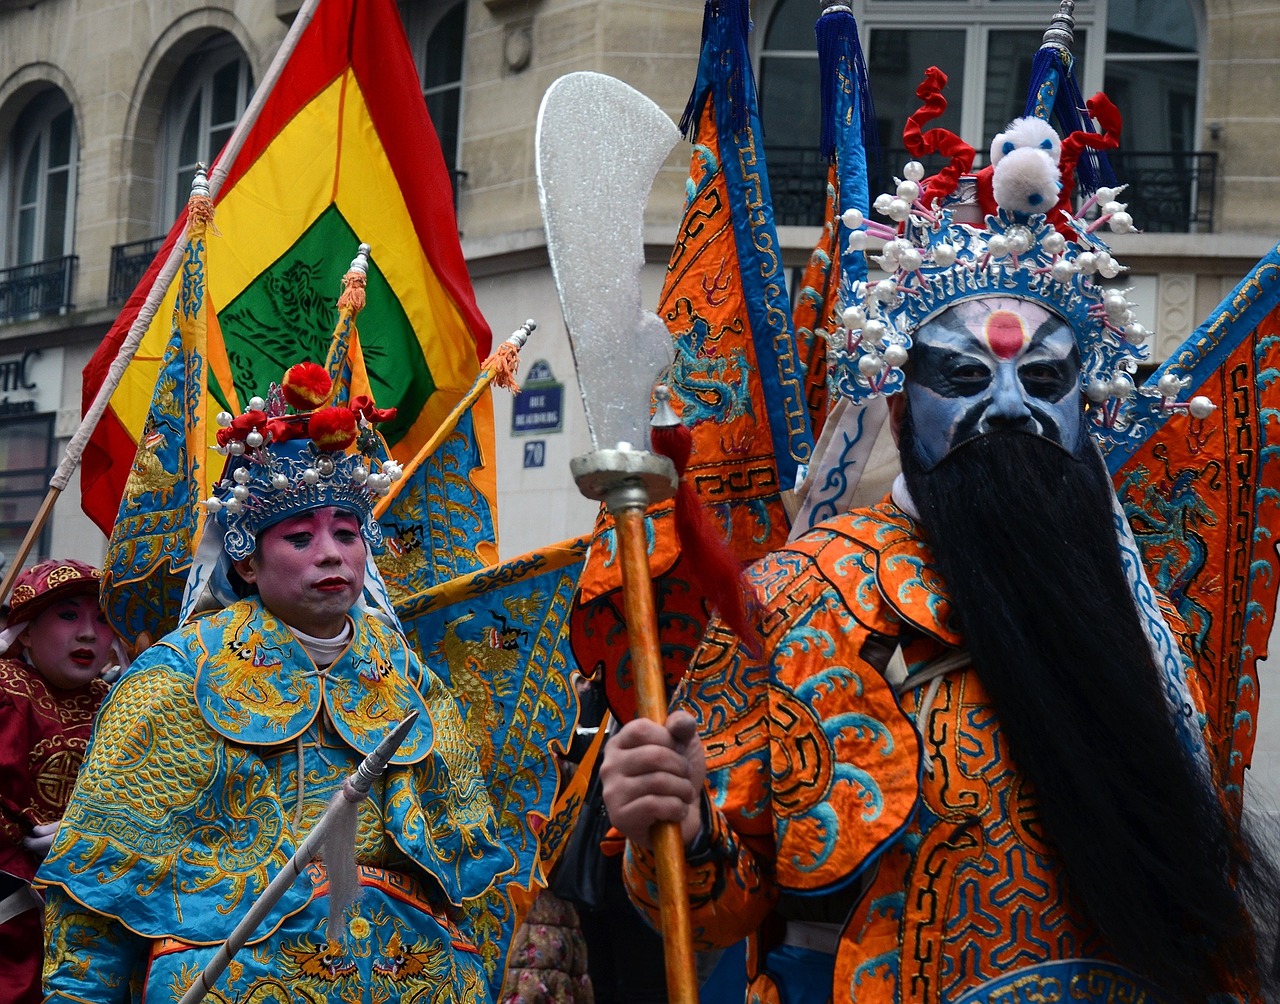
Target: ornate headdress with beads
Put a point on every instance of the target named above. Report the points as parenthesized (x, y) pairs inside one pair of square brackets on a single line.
[(293, 452), (1009, 231)]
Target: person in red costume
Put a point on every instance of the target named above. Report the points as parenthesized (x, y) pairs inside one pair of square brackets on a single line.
[(56, 645)]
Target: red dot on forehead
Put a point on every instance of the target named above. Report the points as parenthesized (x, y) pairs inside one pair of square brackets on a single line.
[(1006, 333)]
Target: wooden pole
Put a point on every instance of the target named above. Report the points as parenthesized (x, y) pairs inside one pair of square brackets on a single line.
[(651, 703), (33, 531)]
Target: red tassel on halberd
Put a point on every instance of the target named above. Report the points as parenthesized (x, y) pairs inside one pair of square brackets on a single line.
[(712, 565)]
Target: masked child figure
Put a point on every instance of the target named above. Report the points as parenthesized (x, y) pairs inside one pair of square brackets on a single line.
[(221, 747), (58, 643)]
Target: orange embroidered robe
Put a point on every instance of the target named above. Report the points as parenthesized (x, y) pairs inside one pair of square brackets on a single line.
[(897, 804)]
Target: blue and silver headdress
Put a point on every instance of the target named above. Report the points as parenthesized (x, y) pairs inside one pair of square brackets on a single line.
[(289, 454), (1010, 231)]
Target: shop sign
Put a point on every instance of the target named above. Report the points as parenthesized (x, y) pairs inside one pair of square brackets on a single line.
[(30, 383)]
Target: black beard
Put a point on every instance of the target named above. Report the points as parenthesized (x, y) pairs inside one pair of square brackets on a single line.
[(1023, 537)]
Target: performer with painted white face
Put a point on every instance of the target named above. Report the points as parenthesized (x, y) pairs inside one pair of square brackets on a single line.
[(967, 763), (220, 749)]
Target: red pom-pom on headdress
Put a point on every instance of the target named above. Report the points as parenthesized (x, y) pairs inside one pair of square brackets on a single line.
[(333, 429), (306, 386)]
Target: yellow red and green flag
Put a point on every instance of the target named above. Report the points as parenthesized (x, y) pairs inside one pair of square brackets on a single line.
[(342, 151)]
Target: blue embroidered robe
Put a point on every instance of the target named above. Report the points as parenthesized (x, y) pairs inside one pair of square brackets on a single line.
[(211, 759)]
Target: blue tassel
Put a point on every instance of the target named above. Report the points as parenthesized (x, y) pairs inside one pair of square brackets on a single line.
[(831, 30), (838, 42), (724, 67), (689, 120), (1055, 93)]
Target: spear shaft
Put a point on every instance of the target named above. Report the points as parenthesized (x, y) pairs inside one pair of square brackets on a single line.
[(354, 790)]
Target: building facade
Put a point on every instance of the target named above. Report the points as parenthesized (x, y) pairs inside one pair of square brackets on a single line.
[(107, 105)]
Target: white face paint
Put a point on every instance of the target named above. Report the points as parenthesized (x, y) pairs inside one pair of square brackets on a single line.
[(997, 364)]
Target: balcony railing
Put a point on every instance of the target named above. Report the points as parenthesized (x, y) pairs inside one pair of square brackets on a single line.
[(129, 263), (38, 288), (1167, 193)]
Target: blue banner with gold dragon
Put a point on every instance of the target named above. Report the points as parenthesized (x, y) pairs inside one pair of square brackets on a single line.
[(499, 639)]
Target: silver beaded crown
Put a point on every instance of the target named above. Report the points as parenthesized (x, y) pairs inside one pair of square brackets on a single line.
[(283, 463)]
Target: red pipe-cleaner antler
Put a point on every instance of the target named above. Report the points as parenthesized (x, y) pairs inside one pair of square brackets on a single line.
[(937, 140), (1107, 115)]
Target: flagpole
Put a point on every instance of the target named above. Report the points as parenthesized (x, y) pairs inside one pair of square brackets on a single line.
[(129, 347), (493, 369)]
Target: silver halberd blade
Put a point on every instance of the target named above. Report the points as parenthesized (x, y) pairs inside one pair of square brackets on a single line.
[(600, 144)]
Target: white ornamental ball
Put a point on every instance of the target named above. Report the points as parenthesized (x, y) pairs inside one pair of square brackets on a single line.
[(235, 448), (885, 292), (1169, 385), (853, 317), (852, 218), (870, 366), (311, 476), (1135, 333), (1053, 242), (908, 190), (240, 475), (895, 355), (1105, 195), (911, 260), (254, 439), (392, 470), (240, 492), (1115, 303), (279, 481), (913, 170), (874, 330), (1086, 263), (234, 506), (889, 255), (1108, 267), (1122, 386), (360, 475), (256, 404), (1120, 223), (213, 504), (1062, 270), (858, 240), (1200, 407), (224, 419), (1019, 240), (944, 255), (998, 245), (325, 466), (899, 210), (221, 450), (1111, 207), (882, 202), (1098, 391)]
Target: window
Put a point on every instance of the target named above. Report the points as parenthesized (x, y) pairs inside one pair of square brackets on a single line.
[(437, 33), (1143, 53), (26, 465), (208, 97), (42, 186)]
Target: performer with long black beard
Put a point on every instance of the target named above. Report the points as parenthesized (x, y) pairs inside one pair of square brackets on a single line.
[(968, 764), (1017, 509)]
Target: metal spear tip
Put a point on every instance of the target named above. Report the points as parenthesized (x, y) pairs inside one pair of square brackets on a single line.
[(360, 263), (1061, 31), (200, 183), (664, 416), (376, 762), (522, 333)]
